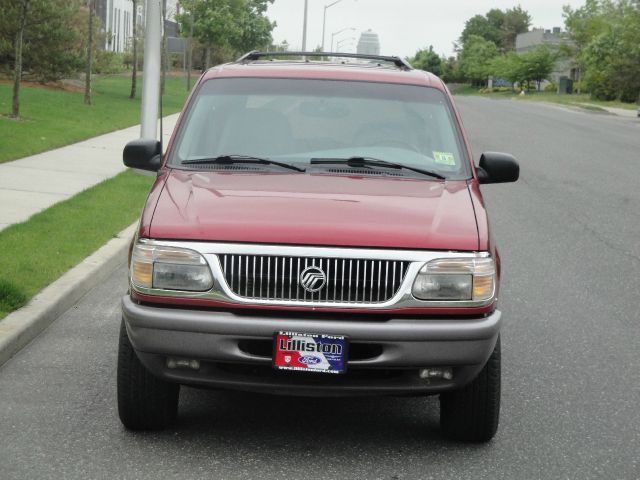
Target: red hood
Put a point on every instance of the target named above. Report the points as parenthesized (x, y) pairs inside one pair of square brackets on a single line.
[(314, 209)]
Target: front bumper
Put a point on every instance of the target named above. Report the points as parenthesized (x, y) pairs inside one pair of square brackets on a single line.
[(234, 350)]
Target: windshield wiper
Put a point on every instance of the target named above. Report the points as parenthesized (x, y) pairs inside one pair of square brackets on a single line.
[(373, 162), (233, 158)]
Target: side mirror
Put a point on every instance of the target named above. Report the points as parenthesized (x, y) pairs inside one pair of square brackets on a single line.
[(497, 167), (143, 154)]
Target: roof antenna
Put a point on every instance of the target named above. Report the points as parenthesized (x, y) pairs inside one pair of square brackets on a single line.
[(161, 129)]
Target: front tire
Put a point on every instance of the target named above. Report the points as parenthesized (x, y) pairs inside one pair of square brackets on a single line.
[(144, 401), (471, 414)]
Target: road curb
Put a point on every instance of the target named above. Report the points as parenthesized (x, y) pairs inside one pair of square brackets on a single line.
[(20, 327)]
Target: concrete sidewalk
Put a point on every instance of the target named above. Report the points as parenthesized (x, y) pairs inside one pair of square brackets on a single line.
[(621, 112), (31, 184)]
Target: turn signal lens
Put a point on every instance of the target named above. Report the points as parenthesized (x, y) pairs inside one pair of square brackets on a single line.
[(169, 268), (483, 287), (142, 266), (456, 279)]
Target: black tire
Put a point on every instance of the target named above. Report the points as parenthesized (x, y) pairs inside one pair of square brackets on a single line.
[(471, 414), (144, 401)]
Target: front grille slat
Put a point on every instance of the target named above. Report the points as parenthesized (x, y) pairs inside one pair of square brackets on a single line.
[(261, 277), (253, 278), (233, 277), (346, 280)]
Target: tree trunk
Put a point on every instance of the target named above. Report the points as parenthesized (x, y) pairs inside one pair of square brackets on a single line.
[(17, 69), (190, 55), (87, 79), (207, 59), (163, 54), (134, 74)]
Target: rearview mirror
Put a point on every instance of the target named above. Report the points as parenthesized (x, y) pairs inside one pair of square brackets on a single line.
[(497, 167), (143, 154)]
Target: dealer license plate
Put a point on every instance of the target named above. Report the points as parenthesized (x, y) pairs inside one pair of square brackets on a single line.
[(310, 352)]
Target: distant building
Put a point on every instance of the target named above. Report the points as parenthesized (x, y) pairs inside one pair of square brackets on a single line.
[(117, 21), (565, 67), (369, 43)]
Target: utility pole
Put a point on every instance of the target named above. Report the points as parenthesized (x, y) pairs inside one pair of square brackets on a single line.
[(304, 26), (151, 70)]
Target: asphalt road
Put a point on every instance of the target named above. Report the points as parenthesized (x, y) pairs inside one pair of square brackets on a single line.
[(569, 233)]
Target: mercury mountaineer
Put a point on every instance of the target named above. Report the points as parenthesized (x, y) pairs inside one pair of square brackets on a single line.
[(317, 228)]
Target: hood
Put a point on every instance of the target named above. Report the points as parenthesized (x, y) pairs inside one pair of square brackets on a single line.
[(315, 209)]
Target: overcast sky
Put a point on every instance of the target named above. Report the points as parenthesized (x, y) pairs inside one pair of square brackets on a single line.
[(403, 25)]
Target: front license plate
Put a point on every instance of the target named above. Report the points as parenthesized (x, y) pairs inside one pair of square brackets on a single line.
[(310, 352)]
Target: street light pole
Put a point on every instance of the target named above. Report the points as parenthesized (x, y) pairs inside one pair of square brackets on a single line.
[(304, 26), (348, 41), (324, 19), (338, 33), (151, 72)]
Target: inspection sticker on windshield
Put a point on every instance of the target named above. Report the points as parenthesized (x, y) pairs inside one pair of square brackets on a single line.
[(307, 352), (444, 158)]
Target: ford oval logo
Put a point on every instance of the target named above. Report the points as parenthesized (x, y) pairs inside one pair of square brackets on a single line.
[(309, 360), (312, 279)]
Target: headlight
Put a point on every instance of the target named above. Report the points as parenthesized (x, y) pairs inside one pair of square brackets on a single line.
[(169, 268), (454, 279)]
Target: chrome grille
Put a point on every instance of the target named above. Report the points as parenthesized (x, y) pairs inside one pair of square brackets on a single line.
[(348, 280)]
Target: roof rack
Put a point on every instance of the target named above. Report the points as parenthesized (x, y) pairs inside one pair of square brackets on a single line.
[(257, 55)]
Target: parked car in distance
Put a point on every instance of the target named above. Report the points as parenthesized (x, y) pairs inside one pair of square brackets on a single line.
[(316, 228)]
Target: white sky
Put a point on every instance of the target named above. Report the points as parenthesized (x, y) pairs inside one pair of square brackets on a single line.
[(404, 26)]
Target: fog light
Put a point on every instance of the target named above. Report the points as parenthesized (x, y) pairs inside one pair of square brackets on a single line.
[(428, 373), (193, 364)]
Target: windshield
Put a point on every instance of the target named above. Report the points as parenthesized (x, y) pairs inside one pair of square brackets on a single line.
[(297, 120)]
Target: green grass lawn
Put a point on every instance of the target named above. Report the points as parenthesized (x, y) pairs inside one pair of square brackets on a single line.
[(582, 100), (53, 118), (35, 253)]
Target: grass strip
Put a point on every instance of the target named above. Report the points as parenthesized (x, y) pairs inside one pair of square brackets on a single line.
[(38, 251), (53, 118), (582, 100)]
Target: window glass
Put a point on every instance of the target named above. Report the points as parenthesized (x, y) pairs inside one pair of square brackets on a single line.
[(295, 120)]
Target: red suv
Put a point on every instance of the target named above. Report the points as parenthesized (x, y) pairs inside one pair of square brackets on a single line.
[(316, 228)]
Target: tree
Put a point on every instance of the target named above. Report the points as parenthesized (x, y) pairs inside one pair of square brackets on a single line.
[(510, 67), (428, 60), (228, 26), (451, 70), (607, 38), (497, 26), (37, 39), (532, 66), (254, 27), (480, 26), (516, 20), (475, 59), (537, 64)]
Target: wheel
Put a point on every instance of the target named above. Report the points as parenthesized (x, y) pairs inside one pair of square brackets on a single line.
[(144, 401), (471, 413)]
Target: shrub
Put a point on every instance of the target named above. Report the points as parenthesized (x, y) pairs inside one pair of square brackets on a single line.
[(551, 87), (580, 87), (109, 62)]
